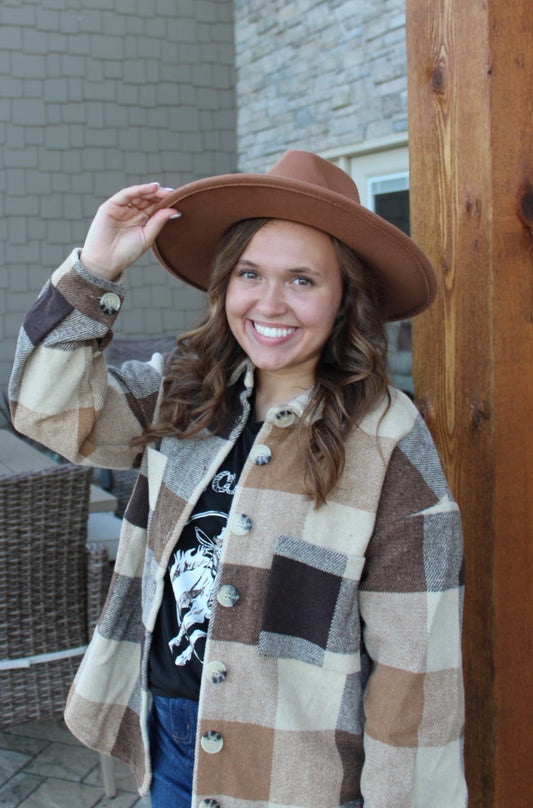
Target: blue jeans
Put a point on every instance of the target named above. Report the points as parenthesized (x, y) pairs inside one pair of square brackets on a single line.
[(172, 730)]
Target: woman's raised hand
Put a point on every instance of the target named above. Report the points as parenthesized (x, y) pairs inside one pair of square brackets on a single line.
[(125, 226)]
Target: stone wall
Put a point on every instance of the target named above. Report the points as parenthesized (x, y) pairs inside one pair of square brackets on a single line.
[(318, 75), (96, 95)]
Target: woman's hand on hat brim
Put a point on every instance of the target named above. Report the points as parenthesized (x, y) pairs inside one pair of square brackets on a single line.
[(124, 227)]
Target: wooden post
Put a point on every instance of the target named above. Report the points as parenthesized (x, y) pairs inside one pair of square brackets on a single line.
[(470, 84)]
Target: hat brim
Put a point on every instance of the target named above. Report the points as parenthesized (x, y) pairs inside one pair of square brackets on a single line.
[(186, 246)]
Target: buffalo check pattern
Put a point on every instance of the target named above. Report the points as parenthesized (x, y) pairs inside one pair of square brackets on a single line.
[(343, 650)]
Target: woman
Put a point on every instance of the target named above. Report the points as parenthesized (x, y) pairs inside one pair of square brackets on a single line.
[(283, 625)]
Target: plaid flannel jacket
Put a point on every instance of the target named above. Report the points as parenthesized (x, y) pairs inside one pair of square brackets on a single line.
[(342, 649)]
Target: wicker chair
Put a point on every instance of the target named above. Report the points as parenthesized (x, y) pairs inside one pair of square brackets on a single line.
[(52, 588)]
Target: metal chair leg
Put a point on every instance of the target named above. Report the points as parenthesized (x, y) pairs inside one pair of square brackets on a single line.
[(108, 775)]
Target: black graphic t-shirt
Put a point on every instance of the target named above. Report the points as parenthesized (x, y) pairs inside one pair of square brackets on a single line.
[(178, 644)]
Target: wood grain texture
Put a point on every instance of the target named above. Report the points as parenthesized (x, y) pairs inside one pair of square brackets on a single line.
[(470, 73)]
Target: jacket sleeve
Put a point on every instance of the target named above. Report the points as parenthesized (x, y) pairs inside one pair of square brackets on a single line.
[(411, 605), (61, 392)]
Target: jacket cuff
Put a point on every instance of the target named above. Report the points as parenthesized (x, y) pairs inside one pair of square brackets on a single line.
[(95, 297)]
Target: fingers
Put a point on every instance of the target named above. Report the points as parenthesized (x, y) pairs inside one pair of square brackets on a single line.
[(145, 199), (139, 199), (136, 198), (157, 221), (140, 194)]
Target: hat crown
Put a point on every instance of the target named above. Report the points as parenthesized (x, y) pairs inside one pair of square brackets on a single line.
[(308, 167)]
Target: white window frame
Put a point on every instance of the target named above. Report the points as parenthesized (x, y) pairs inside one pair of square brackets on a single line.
[(385, 184)]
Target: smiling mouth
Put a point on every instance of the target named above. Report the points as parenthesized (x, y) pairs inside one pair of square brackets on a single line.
[(273, 333)]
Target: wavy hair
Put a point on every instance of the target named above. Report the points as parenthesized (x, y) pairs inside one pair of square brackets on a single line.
[(350, 377)]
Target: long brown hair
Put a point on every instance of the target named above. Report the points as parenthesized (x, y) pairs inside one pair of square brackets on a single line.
[(351, 376)]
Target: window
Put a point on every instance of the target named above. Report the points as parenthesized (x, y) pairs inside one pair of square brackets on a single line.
[(389, 197)]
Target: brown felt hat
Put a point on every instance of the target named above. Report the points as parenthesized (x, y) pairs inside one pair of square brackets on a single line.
[(300, 187)]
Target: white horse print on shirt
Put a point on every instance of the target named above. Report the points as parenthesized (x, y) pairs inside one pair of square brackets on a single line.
[(193, 574)]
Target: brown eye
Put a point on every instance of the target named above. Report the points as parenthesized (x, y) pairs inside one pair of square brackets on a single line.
[(301, 280)]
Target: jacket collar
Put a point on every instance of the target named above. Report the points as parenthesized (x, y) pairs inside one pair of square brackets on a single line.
[(245, 371)]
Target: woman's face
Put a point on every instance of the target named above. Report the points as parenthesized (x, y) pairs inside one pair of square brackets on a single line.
[(282, 298)]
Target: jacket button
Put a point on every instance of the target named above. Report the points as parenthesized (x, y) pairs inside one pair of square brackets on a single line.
[(240, 524), (260, 454), (284, 418), (211, 742), (209, 803), (110, 303), (227, 595), (215, 671)]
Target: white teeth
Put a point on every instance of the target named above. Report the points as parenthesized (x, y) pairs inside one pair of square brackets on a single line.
[(274, 333)]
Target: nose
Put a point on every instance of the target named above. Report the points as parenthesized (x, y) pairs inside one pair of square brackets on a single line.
[(271, 300)]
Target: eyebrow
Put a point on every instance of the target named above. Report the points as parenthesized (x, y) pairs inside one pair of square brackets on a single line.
[(293, 270)]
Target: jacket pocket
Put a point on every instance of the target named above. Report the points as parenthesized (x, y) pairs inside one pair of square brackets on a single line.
[(311, 609)]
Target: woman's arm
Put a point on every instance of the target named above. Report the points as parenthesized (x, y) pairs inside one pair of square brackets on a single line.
[(61, 392), (411, 606)]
